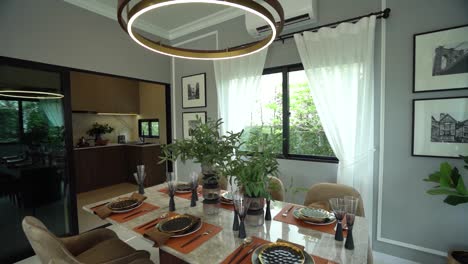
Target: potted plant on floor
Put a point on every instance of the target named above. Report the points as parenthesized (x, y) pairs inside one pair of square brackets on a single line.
[(207, 147), (451, 183), (97, 130)]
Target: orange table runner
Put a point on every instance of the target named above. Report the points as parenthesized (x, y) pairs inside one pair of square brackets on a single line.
[(256, 240), (187, 196), (177, 242), (124, 217), (290, 219)]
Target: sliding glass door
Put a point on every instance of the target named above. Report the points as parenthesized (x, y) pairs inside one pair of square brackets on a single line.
[(35, 154)]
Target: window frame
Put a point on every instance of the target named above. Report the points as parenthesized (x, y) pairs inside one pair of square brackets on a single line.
[(286, 114), (150, 120), (20, 118)]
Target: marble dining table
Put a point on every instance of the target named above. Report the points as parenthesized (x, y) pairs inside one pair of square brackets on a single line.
[(220, 246)]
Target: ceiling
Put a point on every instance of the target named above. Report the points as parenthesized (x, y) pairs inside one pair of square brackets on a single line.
[(169, 22)]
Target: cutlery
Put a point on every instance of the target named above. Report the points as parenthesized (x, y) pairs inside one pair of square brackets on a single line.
[(245, 243), (135, 213), (254, 247), (287, 211), (197, 237), (153, 222)]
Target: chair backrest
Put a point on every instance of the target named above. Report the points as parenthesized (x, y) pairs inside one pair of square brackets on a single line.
[(46, 245), (320, 194), (276, 188)]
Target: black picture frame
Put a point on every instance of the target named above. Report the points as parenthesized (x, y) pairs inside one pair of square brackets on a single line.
[(446, 144), (196, 99), (192, 115), (415, 64)]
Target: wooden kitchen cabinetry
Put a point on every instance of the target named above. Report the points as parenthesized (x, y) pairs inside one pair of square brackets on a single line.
[(149, 156), (100, 167), (104, 94)]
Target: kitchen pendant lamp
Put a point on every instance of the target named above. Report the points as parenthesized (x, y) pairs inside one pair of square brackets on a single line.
[(127, 15)]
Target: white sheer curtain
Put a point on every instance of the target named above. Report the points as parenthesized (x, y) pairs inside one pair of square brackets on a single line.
[(53, 111), (339, 67), (237, 82)]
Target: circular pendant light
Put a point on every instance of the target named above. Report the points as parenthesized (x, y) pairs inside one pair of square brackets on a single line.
[(23, 94), (250, 6)]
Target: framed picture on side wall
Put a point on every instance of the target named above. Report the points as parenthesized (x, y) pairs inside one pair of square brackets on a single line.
[(194, 91), (440, 127), (441, 60), (190, 121)]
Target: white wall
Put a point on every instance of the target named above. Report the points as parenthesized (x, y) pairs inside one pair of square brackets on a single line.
[(55, 32)]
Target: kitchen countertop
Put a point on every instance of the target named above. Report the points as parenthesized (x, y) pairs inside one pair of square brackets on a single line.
[(118, 145)]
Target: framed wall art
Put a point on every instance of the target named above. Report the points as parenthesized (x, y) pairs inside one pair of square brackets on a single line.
[(189, 121), (194, 91), (440, 127), (441, 60)]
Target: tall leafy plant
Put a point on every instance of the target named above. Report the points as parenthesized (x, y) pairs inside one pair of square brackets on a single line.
[(450, 183)]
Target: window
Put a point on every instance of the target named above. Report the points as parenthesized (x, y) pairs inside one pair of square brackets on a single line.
[(287, 108), (24, 121), (148, 128)]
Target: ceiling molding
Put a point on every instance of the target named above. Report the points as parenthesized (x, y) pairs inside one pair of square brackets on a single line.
[(199, 24), (205, 22), (104, 10)]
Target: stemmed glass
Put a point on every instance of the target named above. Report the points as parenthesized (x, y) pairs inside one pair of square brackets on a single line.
[(194, 185), (351, 204), (241, 206), (171, 187), (338, 207)]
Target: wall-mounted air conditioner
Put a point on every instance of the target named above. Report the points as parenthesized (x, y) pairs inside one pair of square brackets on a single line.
[(297, 13)]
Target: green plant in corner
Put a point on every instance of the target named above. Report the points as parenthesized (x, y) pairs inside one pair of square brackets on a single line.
[(450, 183)]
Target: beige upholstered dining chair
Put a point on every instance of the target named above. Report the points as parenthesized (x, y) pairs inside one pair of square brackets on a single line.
[(318, 196), (276, 188), (96, 246)]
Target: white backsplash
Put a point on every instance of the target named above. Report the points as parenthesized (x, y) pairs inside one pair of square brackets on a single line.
[(123, 125)]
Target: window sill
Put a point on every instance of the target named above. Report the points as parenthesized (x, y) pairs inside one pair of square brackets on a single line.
[(310, 158)]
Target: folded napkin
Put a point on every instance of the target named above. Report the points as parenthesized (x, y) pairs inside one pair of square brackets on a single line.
[(322, 205), (104, 211), (159, 238)]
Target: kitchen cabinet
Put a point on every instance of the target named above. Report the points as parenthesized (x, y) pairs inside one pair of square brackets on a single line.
[(104, 94), (99, 167)]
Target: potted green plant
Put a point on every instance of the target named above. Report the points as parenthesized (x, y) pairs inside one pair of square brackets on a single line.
[(97, 130), (450, 183), (207, 147)]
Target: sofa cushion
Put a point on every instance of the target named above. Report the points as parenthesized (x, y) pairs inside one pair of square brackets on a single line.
[(106, 251)]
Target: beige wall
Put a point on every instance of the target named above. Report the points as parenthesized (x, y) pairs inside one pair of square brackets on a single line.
[(153, 105)]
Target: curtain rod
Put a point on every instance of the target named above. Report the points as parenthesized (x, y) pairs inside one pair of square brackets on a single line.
[(381, 14)]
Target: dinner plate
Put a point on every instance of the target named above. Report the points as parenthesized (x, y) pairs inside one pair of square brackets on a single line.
[(176, 224), (297, 215), (183, 188), (192, 230), (123, 205), (255, 255), (315, 214), (227, 196)]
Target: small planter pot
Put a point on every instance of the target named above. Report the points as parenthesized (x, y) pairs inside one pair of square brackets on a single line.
[(211, 191), (255, 217), (257, 203)]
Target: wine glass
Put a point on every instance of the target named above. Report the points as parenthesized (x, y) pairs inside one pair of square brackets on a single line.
[(194, 186), (241, 205), (171, 188), (338, 207), (351, 204)]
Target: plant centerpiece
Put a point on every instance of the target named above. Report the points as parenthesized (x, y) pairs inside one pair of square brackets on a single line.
[(207, 147), (450, 183), (97, 130)]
